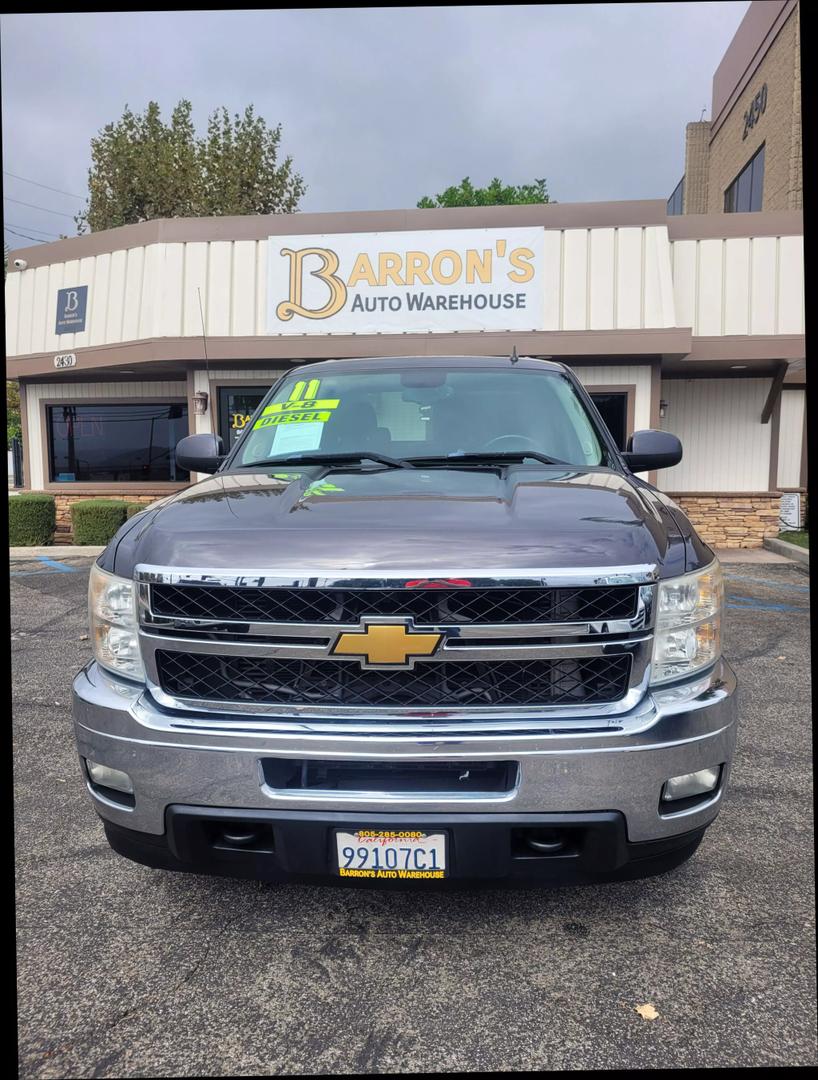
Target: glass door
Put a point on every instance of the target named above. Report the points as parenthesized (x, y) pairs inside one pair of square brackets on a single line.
[(236, 405)]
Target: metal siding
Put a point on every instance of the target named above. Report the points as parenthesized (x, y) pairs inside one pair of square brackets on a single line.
[(602, 279), (25, 313), (737, 286), (552, 275), (152, 282), (134, 266), (709, 288), (575, 279), (790, 285), (243, 289), (726, 447), (14, 284), (658, 307), (39, 311), (684, 254), (261, 288), (628, 274), (170, 318), (98, 301), (219, 291), (195, 286), (790, 435), (116, 297), (763, 278)]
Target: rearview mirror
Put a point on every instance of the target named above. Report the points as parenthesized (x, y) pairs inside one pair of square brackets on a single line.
[(652, 449), (200, 453)]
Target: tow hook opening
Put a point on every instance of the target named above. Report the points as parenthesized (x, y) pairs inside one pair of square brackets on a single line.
[(544, 843), (241, 836)]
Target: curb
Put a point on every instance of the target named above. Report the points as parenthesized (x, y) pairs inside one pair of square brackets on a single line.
[(792, 551), (55, 551)]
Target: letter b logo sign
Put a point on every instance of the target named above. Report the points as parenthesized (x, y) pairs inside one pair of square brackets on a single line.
[(72, 304)]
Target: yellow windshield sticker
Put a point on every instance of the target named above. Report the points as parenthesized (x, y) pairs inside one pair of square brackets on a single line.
[(305, 390), (294, 405), (311, 417), (302, 407)]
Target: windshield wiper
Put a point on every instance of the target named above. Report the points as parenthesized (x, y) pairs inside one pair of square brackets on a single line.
[(348, 458), (487, 457)]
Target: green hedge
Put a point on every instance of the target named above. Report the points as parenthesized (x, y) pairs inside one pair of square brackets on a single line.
[(134, 508), (94, 521), (32, 520)]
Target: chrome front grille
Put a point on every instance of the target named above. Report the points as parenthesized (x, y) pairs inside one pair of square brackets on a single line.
[(282, 681), (529, 644), (430, 605)]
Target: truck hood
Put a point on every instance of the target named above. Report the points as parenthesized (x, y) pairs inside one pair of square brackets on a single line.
[(425, 521)]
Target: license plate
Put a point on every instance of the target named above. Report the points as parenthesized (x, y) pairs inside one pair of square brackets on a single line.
[(399, 855)]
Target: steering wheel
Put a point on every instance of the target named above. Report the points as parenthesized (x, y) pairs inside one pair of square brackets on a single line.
[(503, 438)]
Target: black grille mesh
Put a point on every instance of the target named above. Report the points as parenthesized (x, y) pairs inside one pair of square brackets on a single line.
[(275, 681), (429, 606)]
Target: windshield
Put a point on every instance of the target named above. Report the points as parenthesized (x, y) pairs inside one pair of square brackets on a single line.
[(426, 412)]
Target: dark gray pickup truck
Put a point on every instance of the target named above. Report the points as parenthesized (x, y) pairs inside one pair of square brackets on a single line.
[(422, 624)]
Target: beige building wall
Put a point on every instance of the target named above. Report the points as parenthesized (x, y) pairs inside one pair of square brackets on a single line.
[(726, 447), (778, 128), (697, 167)]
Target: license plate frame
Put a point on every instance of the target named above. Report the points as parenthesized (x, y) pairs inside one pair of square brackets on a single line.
[(417, 854)]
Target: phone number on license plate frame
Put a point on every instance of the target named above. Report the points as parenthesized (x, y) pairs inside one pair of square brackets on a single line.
[(402, 854)]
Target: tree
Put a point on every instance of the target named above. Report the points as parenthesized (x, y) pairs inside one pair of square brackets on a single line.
[(13, 424), (496, 194), (143, 168)]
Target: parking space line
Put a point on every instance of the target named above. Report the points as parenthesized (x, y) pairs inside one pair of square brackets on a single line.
[(767, 581), (745, 603), (62, 567)]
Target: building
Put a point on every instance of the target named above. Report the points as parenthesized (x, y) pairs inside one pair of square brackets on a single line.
[(747, 157), (124, 341)]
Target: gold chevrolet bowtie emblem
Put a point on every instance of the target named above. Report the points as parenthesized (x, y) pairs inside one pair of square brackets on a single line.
[(390, 644)]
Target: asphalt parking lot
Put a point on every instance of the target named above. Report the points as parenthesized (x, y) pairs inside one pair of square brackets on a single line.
[(126, 971)]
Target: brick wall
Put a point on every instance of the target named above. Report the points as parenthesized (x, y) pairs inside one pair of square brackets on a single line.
[(778, 127), (697, 167), (732, 520), (63, 533)]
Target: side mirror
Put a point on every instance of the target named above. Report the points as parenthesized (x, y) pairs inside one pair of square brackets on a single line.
[(200, 453), (652, 449)]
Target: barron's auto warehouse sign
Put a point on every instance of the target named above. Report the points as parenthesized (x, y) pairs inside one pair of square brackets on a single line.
[(433, 281)]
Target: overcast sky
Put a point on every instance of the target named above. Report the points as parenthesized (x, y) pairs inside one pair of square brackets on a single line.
[(379, 106)]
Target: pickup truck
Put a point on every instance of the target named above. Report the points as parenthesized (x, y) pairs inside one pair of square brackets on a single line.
[(424, 623)]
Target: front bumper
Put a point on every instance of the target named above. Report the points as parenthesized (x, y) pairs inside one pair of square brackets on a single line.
[(182, 772)]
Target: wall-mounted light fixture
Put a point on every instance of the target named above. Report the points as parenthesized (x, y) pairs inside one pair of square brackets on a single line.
[(663, 408), (200, 402)]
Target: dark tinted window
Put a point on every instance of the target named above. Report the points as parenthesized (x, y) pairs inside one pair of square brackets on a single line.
[(112, 443), (675, 203), (746, 193), (425, 413), (613, 408)]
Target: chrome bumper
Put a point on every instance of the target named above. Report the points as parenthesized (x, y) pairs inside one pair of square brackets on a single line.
[(672, 732)]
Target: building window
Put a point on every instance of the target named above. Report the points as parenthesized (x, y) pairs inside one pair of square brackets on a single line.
[(675, 203), (236, 406), (746, 192), (116, 443)]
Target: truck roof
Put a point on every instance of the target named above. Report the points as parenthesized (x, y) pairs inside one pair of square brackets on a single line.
[(398, 363)]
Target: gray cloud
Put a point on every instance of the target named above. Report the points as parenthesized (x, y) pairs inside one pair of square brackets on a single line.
[(379, 106)]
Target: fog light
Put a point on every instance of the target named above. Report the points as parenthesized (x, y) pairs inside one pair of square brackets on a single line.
[(693, 783), (110, 778)]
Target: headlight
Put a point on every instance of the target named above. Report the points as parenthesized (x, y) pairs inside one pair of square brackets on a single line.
[(112, 614), (688, 624)]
